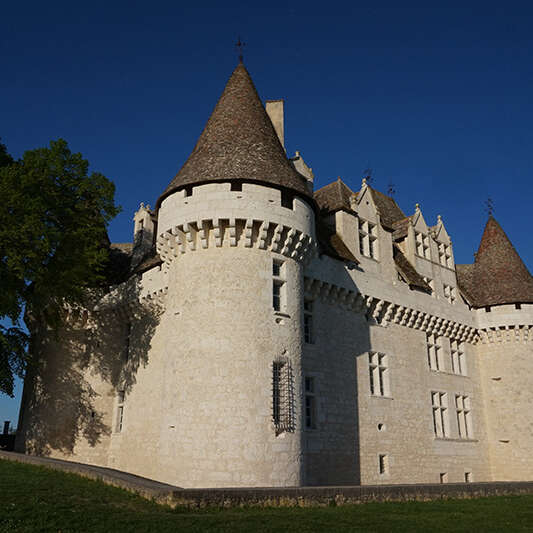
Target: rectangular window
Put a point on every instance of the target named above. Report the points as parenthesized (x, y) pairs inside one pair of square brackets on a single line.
[(120, 410), (449, 293), (383, 461), (443, 477), (379, 374), (468, 477), (308, 321), (277, 285), (368, 239), (464, 423), (431, 284), (439, 403), (127, 347), (445, 255), (422, 245), (458, 357), (434, 351), (282, 397), (310, 403)]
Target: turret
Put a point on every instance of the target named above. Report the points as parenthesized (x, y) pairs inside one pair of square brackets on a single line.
[(235, 227), (499, 288)]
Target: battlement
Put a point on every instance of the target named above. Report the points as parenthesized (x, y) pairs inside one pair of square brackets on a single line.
[(235, 214)]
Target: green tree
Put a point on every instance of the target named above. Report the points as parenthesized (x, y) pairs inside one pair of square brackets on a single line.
[(53, 242)]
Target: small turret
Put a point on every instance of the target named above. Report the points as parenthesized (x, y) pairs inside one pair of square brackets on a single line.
[(143, 234)]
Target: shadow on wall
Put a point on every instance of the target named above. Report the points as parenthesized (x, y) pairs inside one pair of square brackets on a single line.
[(75, 374), (342, 337)]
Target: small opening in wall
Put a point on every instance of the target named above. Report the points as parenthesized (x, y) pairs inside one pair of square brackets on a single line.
[(468, 477), (93, 414), (383, 464), (443, 476), (381, 427), (287, 199), (236, 186), (188, 190), (487, 309), (518, 306)]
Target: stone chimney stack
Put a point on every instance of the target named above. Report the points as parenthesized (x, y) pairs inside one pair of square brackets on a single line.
[(274, 109)]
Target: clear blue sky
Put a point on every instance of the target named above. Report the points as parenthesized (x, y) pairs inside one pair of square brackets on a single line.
[(437, 101)]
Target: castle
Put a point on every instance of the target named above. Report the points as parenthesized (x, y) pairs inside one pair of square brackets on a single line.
[(257, 333)]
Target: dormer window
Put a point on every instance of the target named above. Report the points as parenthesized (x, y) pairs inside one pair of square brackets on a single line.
[(445, 255), (368, 239), (422, 245)]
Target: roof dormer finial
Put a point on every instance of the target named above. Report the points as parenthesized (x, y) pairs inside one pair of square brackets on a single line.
[(239, 45)]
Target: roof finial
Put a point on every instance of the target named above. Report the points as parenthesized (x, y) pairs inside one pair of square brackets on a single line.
[(239, 45), (489, 206), (417, 207)]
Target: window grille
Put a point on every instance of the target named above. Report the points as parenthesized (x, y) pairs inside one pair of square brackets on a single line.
[(282, 397)]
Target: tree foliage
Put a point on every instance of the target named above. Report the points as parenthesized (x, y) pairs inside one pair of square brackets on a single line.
[(53, 241)]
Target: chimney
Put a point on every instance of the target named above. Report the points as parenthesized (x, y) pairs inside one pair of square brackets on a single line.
[(274, 109)]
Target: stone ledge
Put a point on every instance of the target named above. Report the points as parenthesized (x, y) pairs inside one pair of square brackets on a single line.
[(278, 496)]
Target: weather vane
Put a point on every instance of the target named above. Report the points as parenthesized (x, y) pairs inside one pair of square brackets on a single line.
[(391, 191), (367, 174), (489, 205), (239, 45)]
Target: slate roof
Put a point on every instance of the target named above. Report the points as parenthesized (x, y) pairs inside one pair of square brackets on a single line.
[(400, 228), (334, 197), (498, 275), (238, 143), (408, 271)]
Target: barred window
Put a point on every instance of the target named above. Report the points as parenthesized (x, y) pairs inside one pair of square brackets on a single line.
[(282, 396)]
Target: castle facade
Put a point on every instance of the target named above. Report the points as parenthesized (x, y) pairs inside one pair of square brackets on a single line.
[(260, 333)]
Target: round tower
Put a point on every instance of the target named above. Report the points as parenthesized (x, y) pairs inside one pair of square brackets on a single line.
[(234, 230), (500, 288)]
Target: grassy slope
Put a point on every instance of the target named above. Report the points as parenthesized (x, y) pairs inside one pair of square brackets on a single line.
[(38, 499)]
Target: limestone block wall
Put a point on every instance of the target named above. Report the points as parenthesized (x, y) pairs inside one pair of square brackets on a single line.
[(505, 352)]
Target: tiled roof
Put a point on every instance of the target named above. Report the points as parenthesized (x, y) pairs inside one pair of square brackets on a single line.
[(498, 275), (388, 209), (400, 228), (334, 197), (238, 143), (408, 271)]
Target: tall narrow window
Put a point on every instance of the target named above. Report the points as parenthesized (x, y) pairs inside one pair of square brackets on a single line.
[(439, 403), (383, 462), (282, 396), (422, 245), (368, 239), (128, 341), (308, 321), (464, 423), (434, 345), (277, 285), (379, 374), (120, 410), (458, 357), (310, 403)]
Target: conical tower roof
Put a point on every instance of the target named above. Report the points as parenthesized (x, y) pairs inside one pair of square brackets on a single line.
[(498, 275), (238, 143)]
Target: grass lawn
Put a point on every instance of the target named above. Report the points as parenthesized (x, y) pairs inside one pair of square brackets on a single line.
[(34, 498)]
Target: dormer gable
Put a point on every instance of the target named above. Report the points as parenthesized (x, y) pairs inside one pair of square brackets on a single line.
[(422, 245), (444, 244), (365, 206)]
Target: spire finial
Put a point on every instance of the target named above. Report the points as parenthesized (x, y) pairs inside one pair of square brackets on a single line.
[(489, 206), (417, 207), (239, 45)]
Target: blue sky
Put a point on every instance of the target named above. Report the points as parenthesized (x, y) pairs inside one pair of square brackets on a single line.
[(436, 100)]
